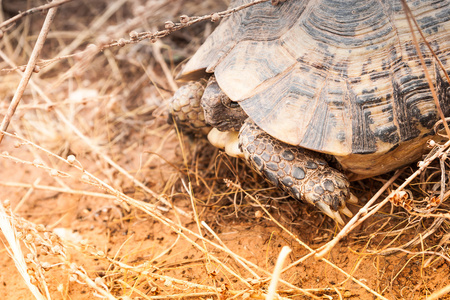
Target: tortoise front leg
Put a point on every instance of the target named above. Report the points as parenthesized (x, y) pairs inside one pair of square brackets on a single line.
[(300, 172)]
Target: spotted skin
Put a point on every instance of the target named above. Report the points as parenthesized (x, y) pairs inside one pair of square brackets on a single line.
[(304, 174)]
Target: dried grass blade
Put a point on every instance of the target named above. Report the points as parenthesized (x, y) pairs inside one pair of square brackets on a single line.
[(15, 251)]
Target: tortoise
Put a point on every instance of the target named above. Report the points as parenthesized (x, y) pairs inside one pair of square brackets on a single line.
[(318, 93)]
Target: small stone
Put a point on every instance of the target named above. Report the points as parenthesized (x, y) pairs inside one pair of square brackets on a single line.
[(40, 227), (7, 203), (99, 281), (168, 283), (45, 265), (29, 238)]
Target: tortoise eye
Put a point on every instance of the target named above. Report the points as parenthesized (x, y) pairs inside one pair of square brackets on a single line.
[(228, 103)]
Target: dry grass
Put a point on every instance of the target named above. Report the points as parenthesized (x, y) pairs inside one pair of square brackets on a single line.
[(102, 198)]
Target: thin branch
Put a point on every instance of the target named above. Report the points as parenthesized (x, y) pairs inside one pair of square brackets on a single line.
[(28, 71), (185, 21), (33, 10), (271, 293)]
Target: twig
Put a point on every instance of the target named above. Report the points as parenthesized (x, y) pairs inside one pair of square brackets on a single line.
[(106, 294), (27, 195), (417, 239), (243, 264), (83, 36), (159, 58), (197, 221), (431, 253), (28, 71), (440, 293), (33, 10), (277, 272), (134, 36), (185, 21), (56, 189)]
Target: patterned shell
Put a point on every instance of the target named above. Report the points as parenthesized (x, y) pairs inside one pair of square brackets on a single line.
[(336, 76)]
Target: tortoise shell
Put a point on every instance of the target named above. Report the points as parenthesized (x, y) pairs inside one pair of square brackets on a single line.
[(338, 77)]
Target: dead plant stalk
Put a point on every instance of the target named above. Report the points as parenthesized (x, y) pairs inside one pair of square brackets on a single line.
[(28, 70), (53, 4)]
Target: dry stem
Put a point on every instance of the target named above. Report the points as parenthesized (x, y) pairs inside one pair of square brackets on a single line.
[(33, 10), (29, 70)]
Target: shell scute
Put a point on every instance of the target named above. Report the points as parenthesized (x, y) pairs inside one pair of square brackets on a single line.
[(339, 77)]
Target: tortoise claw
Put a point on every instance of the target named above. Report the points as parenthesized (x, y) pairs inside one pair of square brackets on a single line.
[(338, 218), (326, 209), (346, 211), (352, 199)]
